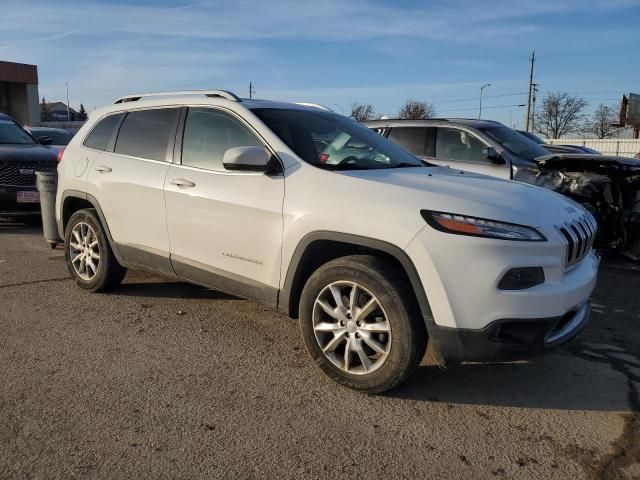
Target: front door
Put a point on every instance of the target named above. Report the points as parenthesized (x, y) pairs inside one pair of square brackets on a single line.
[(225, 228)]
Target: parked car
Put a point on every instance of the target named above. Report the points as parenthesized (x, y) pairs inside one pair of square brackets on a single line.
[(607, 186), (376, 255), (20, 157), (558, 148), (59, 137)]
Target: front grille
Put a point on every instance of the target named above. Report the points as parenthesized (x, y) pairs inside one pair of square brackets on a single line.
[(578, 236), (22, 174)]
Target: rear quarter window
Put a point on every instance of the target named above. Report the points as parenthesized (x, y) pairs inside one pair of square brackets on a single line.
[(103, 132)]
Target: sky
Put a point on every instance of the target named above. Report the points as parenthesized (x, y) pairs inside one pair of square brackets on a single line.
[(334, 52)]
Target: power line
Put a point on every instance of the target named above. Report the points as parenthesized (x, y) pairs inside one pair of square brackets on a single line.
[(437, 102), (475, 98), (484, 108)]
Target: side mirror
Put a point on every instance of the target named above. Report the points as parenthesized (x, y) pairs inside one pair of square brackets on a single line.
[(248, 159), (494, 157), (45, 140)]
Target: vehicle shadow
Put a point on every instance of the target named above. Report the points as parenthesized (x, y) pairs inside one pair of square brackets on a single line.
[(578, 377), (160, 288)]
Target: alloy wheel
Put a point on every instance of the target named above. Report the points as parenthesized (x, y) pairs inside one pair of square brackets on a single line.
[(84, 251), (351, 328)]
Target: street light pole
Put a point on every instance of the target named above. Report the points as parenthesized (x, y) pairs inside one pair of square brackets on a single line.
[(481, 89), (68, 113)]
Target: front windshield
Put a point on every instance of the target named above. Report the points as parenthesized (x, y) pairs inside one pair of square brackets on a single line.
[(334, 142), (12, 133), (515, 142)]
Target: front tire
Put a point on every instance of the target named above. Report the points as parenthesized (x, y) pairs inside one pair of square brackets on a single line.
[(88, 254), (360, 323)]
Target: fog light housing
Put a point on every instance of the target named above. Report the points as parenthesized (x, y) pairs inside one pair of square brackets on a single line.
[(522, 278)]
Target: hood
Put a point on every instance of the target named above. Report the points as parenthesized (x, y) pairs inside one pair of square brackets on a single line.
[(559, 160), (27, 153), (455, 191)]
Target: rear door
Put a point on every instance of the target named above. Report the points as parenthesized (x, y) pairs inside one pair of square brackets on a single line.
[(128, 181), (414, 140)]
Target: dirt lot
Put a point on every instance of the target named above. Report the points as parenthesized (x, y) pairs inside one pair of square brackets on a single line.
[(165, 380)]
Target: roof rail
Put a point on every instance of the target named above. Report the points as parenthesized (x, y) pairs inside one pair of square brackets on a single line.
[(315, 105), (207, 93)]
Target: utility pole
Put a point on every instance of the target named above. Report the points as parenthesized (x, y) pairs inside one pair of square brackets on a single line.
[(532, 60), (252, 91), (481, 89), (533, 106), (68, 113)]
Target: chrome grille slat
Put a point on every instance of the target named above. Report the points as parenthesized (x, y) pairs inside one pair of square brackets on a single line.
[(586, 235), (578, 236), (580, 239)]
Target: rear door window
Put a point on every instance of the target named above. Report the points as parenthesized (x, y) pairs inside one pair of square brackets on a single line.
[(455, 144), (103, 132), (412, 139), (147, 133)]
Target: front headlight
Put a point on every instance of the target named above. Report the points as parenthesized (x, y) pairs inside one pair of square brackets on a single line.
[(480, 227)]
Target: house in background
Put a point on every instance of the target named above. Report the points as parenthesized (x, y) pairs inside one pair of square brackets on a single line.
[(57, 112)]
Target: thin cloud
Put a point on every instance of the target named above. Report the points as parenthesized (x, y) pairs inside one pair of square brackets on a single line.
[(325, 20), (41, 39)]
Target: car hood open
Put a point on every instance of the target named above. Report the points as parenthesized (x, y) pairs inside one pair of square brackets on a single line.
[(561, 160)]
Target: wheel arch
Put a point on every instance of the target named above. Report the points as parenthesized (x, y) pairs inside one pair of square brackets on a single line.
[(318, 248), (73, 201)]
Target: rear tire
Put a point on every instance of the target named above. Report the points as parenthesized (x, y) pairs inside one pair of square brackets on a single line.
[(371, 340), (88, 254)]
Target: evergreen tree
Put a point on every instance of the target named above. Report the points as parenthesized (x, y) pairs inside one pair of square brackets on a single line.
[(82, 113)]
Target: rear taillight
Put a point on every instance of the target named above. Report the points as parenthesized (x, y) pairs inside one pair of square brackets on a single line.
[(323, 157), (60, 152)]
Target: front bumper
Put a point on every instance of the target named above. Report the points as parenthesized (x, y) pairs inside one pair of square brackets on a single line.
[(9, 205), (461, 277), (508, 339)]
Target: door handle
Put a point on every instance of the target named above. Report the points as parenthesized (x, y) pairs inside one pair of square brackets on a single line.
[(182, 182), (103, 169)]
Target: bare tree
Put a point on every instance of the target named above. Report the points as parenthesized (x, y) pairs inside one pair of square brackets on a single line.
[(560, 114), (600, 124), (362, 112), (415, 110)]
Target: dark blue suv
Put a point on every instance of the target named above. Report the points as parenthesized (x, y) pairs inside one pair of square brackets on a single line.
[(20, 157)]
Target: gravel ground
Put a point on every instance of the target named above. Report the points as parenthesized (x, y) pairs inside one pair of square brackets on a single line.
[(160, 379)]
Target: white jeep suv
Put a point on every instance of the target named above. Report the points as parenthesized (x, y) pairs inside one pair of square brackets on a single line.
[(376, 254)]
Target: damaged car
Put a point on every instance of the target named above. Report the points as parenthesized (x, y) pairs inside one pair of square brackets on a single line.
[(553, 148), (607, 186)]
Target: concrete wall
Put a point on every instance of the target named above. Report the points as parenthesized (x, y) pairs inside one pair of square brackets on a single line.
[(33, 104), (624, 147)]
